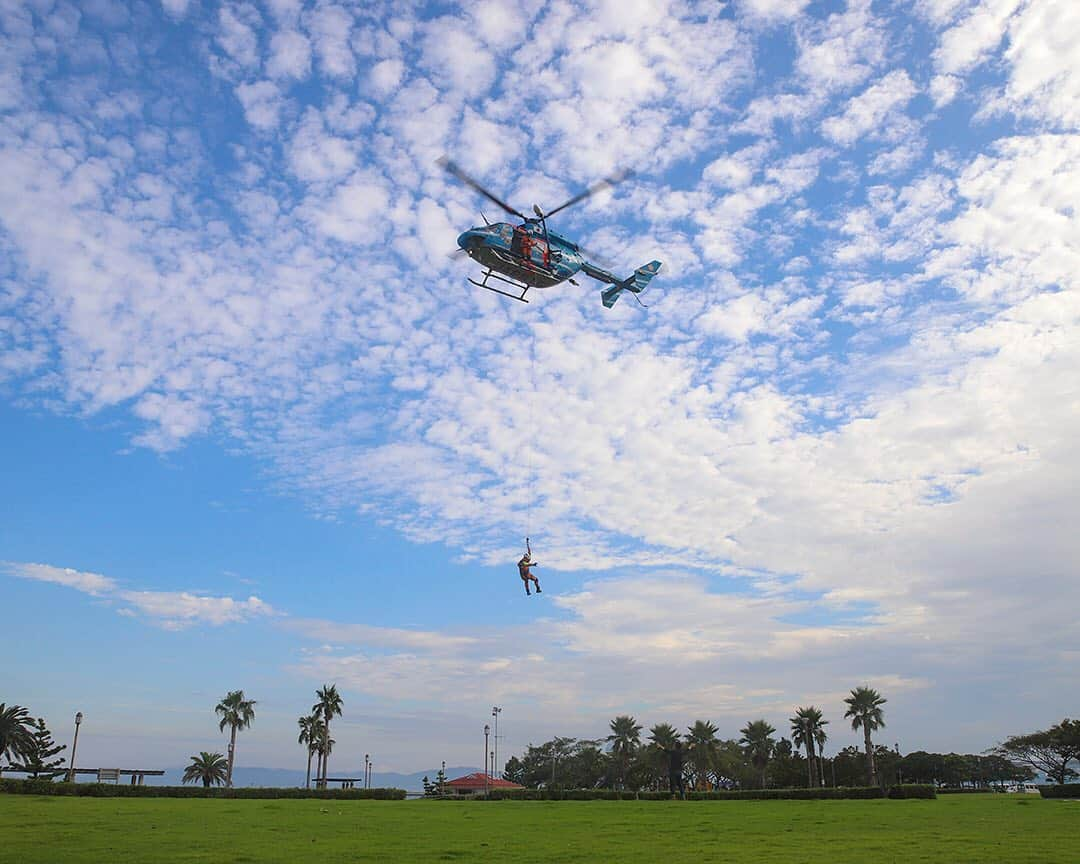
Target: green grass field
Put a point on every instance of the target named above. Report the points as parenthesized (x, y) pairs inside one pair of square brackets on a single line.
[(962, 828)]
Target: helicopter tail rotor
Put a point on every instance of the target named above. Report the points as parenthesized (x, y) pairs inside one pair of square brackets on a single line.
[(635, 283)]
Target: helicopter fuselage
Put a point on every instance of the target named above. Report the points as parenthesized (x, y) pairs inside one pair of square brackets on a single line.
[(523, 252)]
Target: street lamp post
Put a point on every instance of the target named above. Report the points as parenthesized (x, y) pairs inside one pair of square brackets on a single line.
[(487, 731), (74, 744), (442, 779), (367, 764), (495, 712)]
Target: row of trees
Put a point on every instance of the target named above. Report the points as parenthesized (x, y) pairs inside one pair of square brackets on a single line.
[(573, 763), (628, 762), (236, 712), (756, 759)]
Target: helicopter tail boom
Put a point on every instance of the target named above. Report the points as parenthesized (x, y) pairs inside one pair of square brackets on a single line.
[(635, 283)]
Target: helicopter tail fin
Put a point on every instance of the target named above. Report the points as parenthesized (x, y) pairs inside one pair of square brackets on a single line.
[(635, 283)]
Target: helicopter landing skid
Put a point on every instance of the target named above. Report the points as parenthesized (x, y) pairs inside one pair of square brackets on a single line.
[(491, 274)]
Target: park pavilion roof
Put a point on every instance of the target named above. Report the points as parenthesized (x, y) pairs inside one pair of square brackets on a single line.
[(477, 780)]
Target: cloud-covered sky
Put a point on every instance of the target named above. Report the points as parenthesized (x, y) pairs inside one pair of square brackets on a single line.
[(258, 431)]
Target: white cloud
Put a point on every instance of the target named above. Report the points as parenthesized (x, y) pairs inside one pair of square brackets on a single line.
[(943, 89), (356, 213), (169, 609), (898, 158), (1044, 79), (262, 103), (773, 9), (317, 156), (870, 109), (88, 583), (175, 8), (969, 42), (501, 25), (456, 57), (842, 51), (172, 610), (236, 33), (290, 55), (177, 610), (386, 75), (173, 418), (330, 27)]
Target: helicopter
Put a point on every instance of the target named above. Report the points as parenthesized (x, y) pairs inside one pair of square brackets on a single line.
[(529, 256)]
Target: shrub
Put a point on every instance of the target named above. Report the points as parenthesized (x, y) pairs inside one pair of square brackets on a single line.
[(111, 790), (830, 793), (1067, 790), (915, 790), (825, 794)]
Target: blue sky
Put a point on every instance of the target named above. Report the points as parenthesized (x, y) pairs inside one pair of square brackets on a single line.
[(258, 431)]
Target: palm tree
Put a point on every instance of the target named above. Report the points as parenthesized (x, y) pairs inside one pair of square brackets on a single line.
[(236, 712), (807, 730), (16, 739), (625, 738), (324, 746), (758, 741), (329, 704), (701, 741), (864, 709), (210, 768), (820, 737), (662, 738), (310, 734)]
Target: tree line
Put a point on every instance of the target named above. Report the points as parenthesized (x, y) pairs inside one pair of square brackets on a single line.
[(623, 760), (628, 759)]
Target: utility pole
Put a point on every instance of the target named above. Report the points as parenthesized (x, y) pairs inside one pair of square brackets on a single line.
[(495, 712), (74, 744), (487, 731)]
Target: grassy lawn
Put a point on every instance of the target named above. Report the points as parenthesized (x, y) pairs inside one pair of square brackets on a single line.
[(959, 828)]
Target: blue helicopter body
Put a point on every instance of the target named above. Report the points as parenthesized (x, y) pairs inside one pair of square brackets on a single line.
[(530, 255)]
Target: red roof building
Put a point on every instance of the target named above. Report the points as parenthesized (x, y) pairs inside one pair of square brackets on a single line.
[(478, 784)]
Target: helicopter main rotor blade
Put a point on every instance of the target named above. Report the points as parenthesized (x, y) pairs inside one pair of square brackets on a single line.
[(606, 183), (594, 258), (455, 169)]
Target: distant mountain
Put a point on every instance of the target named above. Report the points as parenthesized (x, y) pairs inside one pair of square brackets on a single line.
[(285, 777)]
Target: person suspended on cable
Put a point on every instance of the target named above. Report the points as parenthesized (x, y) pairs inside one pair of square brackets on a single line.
[(524, 566)]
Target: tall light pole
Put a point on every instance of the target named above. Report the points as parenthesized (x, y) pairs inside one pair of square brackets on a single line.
[(442, 779), (899, 773), (495, 712), (74, 744), (487, 731), (367, 762)]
